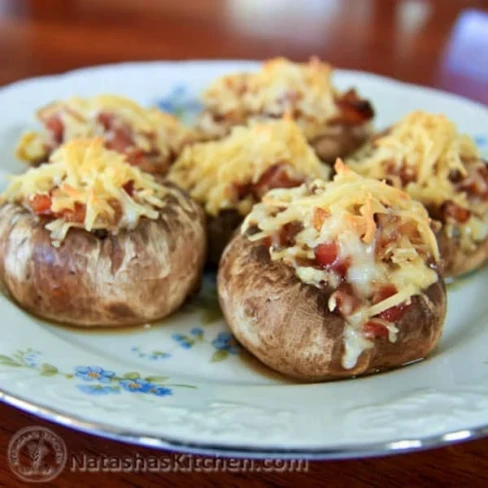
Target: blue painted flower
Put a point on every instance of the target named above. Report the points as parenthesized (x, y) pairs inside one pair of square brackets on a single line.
[(178, 102), (136, 385), (142, 386), (197, 331), (225, 341), (158, 355), (481, 140), (32, 359), (183, 341), (94, 373), (161, 391), (98, 389)]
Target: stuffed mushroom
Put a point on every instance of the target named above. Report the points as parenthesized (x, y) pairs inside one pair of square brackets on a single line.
[(149, 138), (334, 123), (427, 157), (229, 176), (89, 240), (334, 279)]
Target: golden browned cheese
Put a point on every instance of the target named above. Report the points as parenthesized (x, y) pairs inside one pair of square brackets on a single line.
[(334, 123), (426, 156), (150, 138)]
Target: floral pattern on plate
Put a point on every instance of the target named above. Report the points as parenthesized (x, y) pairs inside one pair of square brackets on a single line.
[(96, 380), (224, 343), (180, 103)]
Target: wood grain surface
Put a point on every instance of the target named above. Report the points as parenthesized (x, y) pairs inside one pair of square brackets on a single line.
[(435, 43)]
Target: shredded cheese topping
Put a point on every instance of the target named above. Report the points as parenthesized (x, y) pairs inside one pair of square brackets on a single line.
[(212, 171), (279, 86), (84, 173), (151, 129), (420, 154), (304, 90), (384, 237)]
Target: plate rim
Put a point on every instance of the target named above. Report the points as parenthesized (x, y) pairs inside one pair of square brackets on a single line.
[(362, 451), (210, 61), (104, 430)]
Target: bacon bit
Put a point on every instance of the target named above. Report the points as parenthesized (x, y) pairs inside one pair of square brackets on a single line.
[(118, 213), (319, 217), (129, 188), (121, 140), (286, 236), (389, 232), (243, 190), (341, 267), (274, 177), (383, 293), (289, 232), (373, 330), (476, 183), (407, 175), (394, 314), (346, 302), (354, 110), (41, 204), (456, 176), (137, 157), (267, 241), (77, 215), (106, 119), (326, 254), (55, 125), (450, 209)]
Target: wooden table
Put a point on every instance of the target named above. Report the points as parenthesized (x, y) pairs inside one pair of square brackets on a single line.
[(437, 43)]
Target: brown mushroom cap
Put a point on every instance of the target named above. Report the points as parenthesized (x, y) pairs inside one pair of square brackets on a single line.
[(131, 278), (287, 324)]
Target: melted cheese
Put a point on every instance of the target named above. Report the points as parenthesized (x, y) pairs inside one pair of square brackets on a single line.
[(152, 129), (302, 89), (351, 204), (210, 171), (429, 149), (425, 145), (84, 172)]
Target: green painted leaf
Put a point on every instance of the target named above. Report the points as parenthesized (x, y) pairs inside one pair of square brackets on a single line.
[(48, 370), (132, 376), (219, 355), (183, 386), (156, 379), (8, 361)]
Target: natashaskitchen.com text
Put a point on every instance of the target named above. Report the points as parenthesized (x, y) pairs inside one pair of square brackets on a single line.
[(180, 463)]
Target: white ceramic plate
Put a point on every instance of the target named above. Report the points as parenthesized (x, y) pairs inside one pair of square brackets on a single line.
[(183, 383)]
